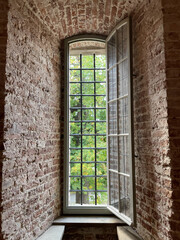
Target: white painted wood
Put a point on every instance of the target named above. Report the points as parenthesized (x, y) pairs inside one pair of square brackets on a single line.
[(53, 233)]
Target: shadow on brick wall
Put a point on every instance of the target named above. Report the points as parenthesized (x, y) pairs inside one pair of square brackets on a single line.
[(3, 44)]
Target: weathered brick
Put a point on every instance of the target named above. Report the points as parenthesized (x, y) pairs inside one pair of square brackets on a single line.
[(30, 128)]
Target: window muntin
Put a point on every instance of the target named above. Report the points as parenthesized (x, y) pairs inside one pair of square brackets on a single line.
[(119, 149), (87, 134)]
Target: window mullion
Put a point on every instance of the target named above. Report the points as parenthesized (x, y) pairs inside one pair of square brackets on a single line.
[(81, 126), (117, 110), (95, 129)]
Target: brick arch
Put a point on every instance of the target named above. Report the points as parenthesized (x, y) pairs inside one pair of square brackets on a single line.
[(73, 17)]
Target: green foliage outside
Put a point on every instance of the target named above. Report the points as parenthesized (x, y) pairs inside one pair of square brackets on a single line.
[(88, 155)]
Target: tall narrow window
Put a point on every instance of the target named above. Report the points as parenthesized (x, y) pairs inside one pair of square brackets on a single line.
[(99, 154), (87, 147)]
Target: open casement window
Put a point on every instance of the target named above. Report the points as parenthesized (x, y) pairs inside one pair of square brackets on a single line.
[(119, 127), (98, 125)]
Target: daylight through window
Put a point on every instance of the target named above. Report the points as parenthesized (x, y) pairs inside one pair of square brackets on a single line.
[(87, 124)]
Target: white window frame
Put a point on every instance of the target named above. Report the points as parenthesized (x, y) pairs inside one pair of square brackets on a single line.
[(94, 209), (130, 221), (98, 209)]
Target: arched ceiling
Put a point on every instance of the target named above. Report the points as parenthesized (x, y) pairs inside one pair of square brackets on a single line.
[(70, 17)]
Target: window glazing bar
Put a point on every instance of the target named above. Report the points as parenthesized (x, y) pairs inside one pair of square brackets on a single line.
[(91, 176), (86, 69), (86, 108), (89, 82), (98, 134)]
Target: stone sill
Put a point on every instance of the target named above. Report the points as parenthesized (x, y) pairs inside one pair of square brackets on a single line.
[(53, 233), (88, 221)]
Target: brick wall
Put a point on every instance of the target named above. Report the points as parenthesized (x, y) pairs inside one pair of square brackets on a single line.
[(3, 43), (31, 158), (171, 16), (153, 191), (90, 233), (30, 188)]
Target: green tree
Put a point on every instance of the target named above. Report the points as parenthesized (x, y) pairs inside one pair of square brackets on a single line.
[(88, 155)]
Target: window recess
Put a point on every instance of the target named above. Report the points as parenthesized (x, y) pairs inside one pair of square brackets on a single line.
[(99, 148)]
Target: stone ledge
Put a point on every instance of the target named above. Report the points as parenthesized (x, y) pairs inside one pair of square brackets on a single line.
[(127, 233), (88, 220), (53, 233)]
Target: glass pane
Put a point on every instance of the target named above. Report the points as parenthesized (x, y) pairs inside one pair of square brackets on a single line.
[(101, 101), (113, 153), (75, 115), (113, 117), (88, 155), (88, 183), (100, 114), (111, 51), (74, 61), (101, 88), (75, 155), (75, 169), (75, 128), (101, 183), (122, 42), (74, 198), (101, 141), (75, 183), (88, 141), (88, 75), (85, 187), (114, 190), (74, 76), (124, 154), (101, 127), (100, 61), (112, 84), (101, 169), (87, 61), (75, 88), (88, 127), (75, 101), (123, 78), (88, 101), (100, 75), (89, 198), (75, 141), (125, 195), (88, 169), (102, 198), (88, 114), (123, 116), (101, 155), (88, 88)]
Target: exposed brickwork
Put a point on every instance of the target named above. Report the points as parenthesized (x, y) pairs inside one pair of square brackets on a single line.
[(30, 188), (171, 11), (78, 17), (31, 157), (153, 181), (3, 43)]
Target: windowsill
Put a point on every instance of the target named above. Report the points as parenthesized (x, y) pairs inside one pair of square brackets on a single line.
[(88, 220), (53, 232)]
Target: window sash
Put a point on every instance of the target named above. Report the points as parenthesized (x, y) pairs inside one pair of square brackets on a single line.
[(78, 209), (119, 98)]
